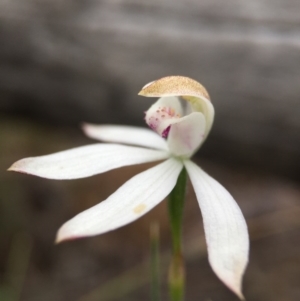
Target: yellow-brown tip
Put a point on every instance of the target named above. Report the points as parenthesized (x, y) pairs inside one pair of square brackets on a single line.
[(174, 86)]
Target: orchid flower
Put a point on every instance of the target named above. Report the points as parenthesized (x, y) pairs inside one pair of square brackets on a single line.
[(179, 127)]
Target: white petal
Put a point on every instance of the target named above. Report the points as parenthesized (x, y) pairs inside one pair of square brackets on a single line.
[(204, 106), (169, 102), (125, 134), (187, 134), (86, 161), (132, 200), (162, 114), (225, 228)]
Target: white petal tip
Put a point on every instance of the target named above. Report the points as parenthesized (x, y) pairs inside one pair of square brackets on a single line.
[(240, 295), (234, 285), (12, 167), (63, 235), (18, 167), (84, 125), (238, 292), (232, 280), (59, 238)]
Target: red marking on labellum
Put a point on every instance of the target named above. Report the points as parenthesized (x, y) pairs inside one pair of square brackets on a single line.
[(166, 131)]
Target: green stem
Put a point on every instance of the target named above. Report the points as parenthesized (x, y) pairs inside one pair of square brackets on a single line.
[(155, 273), (177, 269)]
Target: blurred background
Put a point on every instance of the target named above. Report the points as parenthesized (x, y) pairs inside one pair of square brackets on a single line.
[(64, 62)]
